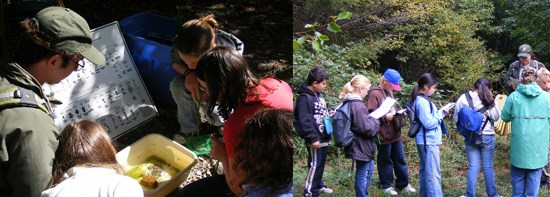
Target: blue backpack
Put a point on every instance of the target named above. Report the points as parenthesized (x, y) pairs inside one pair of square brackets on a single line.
[(470, 121), (341, 124)]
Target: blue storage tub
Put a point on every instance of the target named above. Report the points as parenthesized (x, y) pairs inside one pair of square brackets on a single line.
[(149, 38)]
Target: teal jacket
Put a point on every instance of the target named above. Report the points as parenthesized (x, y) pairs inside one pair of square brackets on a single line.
[(28, 139), (529, 110)]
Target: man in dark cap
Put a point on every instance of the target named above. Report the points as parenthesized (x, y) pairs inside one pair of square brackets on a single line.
[(512, 77), (53, 45)]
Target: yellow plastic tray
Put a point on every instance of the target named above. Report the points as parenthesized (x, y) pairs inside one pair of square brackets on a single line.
[(169, 151)]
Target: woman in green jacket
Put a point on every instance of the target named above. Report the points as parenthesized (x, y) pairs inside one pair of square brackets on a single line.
[(529, 110)]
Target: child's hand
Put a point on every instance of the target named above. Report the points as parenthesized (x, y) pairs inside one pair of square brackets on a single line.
[(389, 115), (315, 145), (446, 112), (218, 149)]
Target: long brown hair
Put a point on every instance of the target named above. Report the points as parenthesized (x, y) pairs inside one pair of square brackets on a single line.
[(83, 143), (483, 87), (227, 76), (266, 149), (196, 36)]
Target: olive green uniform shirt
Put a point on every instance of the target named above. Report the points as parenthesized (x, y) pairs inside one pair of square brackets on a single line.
[(28, 139)]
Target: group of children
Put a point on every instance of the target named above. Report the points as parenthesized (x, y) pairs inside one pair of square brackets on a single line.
[(260, 122), (527, 108), (309, 120), (80, 160)]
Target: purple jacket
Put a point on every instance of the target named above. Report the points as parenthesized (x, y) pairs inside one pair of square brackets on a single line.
[(364, 129)]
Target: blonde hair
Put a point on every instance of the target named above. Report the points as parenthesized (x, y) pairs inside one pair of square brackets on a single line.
[(355, 85), (543, 75)]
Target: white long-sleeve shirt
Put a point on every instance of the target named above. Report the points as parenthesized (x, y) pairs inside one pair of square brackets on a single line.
[(95, 182), (492, 113)]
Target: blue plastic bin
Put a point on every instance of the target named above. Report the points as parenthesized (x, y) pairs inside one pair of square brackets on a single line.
[(149, 38)]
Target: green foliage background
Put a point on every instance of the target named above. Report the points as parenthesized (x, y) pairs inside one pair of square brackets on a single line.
[(457, 40)]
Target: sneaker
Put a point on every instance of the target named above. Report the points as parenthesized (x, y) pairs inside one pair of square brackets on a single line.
[(391, 191), (325, 190), (409, 189)]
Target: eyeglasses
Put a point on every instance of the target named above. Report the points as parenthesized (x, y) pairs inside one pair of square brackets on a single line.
[(80, 64)]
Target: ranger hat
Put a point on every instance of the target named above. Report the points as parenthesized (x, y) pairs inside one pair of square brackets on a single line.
[(524, 50), (65, 30)]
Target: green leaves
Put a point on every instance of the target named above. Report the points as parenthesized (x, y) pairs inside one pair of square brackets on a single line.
[(316, 44), (334, 27), (314, 36), (344, 15)]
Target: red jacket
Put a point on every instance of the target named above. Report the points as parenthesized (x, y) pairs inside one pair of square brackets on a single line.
[(272, 93)]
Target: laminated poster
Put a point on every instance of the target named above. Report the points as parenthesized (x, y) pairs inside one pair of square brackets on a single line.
[(113, 94)]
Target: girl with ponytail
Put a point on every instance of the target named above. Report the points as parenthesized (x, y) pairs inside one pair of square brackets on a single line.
[(194, 38), (364, 128), (482, 151), (429, 138)]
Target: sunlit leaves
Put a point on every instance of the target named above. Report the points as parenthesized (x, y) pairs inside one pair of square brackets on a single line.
[(344, 15), (316, 38), (334, 27)]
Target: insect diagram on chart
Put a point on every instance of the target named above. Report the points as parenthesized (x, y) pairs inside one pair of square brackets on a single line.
[(113, 94)]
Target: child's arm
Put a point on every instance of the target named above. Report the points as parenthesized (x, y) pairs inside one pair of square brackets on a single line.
[(364, 124), (305, 119), (232, 178), (460, 103), (428, 120), (373, 101)]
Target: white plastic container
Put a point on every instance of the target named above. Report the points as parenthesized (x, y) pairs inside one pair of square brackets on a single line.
[(169, 151)]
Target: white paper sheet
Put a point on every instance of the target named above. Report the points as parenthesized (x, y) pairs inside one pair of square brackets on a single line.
[(448, 106), (384, 108)]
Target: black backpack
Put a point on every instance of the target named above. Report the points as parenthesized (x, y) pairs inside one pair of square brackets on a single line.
[(415, 124), (341, 123)]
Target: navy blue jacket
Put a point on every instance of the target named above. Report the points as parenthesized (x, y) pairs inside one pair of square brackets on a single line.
[(309, 113)]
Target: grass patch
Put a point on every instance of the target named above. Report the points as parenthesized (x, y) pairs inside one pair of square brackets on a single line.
[(454, 166)]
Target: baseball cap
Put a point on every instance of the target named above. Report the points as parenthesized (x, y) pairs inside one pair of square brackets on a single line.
[(65, 30), (393, 77), (524, 50)]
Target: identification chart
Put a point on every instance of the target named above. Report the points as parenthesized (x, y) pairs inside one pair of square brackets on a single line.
[(113, 94)]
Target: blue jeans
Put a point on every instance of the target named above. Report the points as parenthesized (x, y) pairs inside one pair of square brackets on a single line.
[(481, 154), (188, 112), (391, 157), (316, 166), (525, 182), (362, 177), (429, 172)]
